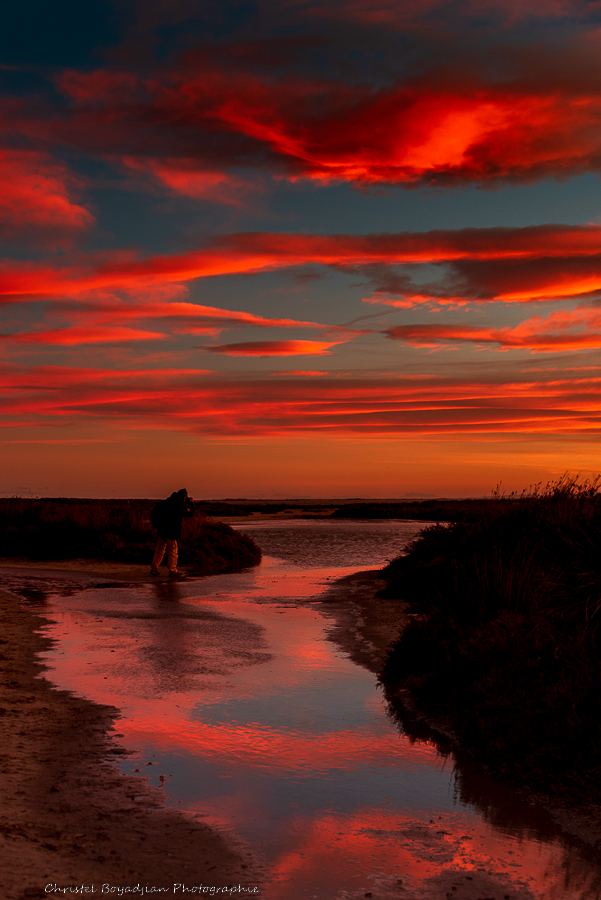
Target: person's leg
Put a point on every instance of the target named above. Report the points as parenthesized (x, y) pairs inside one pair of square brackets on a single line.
[(159, 553), (172, 557)]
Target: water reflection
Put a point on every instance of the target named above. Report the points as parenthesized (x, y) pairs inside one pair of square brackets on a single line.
[(512, 813), (256, 722)]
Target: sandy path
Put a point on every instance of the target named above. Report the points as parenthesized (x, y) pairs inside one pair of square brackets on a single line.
[(67, 817)]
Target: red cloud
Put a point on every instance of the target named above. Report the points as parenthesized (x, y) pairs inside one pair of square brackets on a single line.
[(272, 250), (194, 402), (113, 310), (70, 337), (559, 331), (536, 262), (36, 198), (406, 133), (102, 320), (276, 348), (452, 123), (185, 177)]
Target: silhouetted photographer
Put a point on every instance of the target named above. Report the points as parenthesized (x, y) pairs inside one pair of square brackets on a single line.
[(167, 517)]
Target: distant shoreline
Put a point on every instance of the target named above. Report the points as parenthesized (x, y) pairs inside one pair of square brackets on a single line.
[(430, 510)]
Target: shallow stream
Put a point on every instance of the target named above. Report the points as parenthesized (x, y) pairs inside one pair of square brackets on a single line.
[(242, 709)]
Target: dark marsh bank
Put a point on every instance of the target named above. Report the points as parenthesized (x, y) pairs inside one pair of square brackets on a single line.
[(65, 528), (503, 645)]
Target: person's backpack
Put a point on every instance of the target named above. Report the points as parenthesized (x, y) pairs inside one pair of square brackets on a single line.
[(157, 515)]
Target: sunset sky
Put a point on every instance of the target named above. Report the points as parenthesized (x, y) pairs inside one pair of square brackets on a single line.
[(299, 248)]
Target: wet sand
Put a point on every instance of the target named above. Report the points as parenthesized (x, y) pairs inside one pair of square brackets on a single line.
[(100, 568), (365, 626), (67, 817)]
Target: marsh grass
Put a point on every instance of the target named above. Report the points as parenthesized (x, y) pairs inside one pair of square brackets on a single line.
[(503, 646), (119, 530)]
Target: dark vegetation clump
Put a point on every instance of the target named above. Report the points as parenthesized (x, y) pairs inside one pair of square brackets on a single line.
[(118, 530), (503, 645)]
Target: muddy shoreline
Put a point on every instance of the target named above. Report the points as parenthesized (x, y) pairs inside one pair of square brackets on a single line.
[(67, 816)]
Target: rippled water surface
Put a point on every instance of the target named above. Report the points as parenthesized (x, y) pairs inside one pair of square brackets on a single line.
[(315, 543), (255, 721)]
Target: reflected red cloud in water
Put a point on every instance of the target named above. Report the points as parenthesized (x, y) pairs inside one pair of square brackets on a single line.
[(264, 747), (390, 852), (404, 847), (275, 348), (191, 401)]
